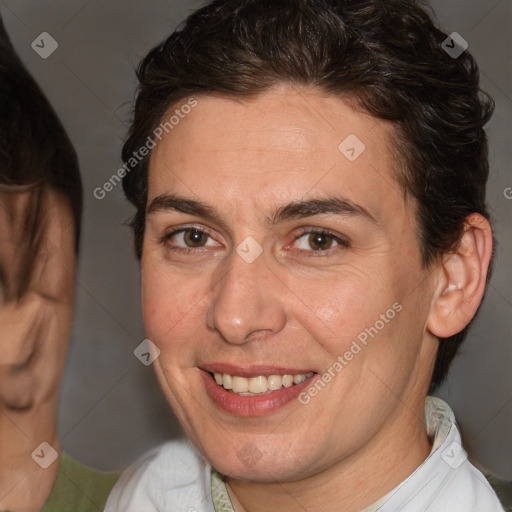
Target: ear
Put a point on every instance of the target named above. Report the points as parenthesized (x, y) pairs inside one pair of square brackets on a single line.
[(462, 282)]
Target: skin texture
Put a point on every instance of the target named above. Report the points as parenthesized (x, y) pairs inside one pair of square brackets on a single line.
[(34, 339), (294, 306)]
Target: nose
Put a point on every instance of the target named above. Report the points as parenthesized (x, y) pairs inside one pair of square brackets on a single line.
[(248, 303)]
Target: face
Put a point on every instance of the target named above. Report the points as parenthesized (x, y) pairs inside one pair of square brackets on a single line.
[(36, 326), (277, 245)]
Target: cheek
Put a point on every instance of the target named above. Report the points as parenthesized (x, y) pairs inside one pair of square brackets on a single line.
[(160, 307), (171, 305), (339, 308)]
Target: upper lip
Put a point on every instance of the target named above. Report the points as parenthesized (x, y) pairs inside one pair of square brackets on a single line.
[(253, 370)]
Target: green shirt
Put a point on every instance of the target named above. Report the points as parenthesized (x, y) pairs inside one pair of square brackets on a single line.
[(79, 488)]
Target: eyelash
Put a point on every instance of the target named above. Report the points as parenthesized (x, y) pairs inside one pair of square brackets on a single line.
[(342, 243)]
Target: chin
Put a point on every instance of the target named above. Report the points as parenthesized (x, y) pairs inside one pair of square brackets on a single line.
[(254, 462)]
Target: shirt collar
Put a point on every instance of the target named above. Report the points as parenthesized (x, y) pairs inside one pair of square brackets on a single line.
[(439, 420), (220, 496)]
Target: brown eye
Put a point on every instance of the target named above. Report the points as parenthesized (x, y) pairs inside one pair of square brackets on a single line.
[(194, 237), (320, 241), (187, 239)]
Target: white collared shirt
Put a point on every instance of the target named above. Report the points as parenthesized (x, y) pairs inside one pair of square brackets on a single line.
[(175, 478)]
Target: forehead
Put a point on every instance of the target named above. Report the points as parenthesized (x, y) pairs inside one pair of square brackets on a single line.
[(283, 144)]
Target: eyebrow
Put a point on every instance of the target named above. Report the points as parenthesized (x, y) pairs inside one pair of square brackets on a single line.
[(290, 211)]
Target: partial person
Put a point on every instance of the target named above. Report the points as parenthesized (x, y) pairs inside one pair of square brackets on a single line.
[(314, 242), (40, 218)]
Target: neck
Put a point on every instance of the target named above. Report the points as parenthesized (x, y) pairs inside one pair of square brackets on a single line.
[(352, 484), (24, 484)]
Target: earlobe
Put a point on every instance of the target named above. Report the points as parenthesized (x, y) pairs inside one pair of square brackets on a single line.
[(462, 284)]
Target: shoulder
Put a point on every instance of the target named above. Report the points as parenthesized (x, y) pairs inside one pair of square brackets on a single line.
[(172, 476), (79, 487), (468, 490), (503, 488), (74, 469)]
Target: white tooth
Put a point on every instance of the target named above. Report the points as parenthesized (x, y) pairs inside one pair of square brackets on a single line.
[(218, 378), (274, 382), (297, 379), (258, 384), (287, 380), (240, 384), (227, 381)]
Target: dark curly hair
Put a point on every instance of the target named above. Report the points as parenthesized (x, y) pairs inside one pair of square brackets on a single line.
[(386, 57)]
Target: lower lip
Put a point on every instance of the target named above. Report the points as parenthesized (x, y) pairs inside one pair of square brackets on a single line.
[(256, 405)]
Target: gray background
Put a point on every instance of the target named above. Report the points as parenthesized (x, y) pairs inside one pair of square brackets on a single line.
[(111, 410)]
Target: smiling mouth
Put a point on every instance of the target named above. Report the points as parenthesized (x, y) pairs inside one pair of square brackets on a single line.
[(259, 385)]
